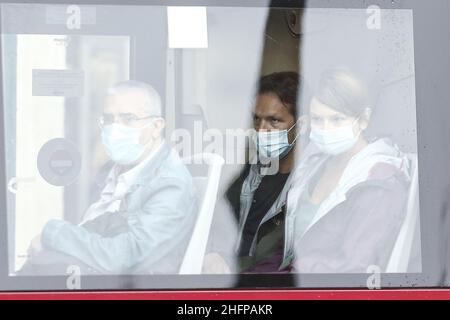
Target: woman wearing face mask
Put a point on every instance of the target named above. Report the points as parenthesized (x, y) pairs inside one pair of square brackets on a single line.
[(350, 194), (257, 197)]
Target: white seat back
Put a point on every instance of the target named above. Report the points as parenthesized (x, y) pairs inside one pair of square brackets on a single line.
[(401, 253), (207, 188)]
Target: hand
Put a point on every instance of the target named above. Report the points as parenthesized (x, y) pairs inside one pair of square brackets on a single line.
[(215, 264)]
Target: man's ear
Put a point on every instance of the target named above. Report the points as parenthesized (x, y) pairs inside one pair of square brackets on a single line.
[(160, 124), (303, 124)]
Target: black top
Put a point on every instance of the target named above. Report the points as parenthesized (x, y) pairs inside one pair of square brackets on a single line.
[(263, 199)]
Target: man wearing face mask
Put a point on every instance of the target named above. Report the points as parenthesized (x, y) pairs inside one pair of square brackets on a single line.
[(257, 197), (144, 217), (349, 197)]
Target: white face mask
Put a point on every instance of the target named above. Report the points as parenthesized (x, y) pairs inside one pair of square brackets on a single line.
[(122, 143), (334, 141), (275, 143)]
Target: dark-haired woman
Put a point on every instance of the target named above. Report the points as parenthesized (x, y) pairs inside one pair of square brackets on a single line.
[(350, 192)]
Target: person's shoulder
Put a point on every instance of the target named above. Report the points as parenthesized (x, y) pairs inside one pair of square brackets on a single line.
[(173, 167), (386, 164), (166, 168), (384, 179), (385, 171)]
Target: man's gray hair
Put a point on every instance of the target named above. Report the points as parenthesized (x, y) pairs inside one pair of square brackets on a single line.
[(152, 101)]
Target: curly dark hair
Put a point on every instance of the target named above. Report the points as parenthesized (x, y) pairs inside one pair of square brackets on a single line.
[(289, 87)]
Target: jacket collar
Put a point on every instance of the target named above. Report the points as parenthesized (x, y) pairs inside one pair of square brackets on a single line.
[(357, 171), (149, 171)]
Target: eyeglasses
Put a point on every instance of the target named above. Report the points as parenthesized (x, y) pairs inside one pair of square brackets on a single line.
[(126, 119)]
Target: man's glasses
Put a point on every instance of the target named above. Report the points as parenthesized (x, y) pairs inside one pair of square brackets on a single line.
[(126, 119)]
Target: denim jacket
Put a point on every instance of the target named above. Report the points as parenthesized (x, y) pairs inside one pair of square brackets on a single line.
[(149, 233), (249, 187)]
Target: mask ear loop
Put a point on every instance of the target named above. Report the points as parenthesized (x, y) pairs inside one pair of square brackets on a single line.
[(145, 127), (296, 122), (367, 113), (298, 134), (353, 124)]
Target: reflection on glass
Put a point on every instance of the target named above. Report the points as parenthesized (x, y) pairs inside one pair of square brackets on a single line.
[(291, 140)]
